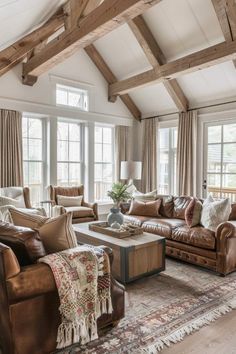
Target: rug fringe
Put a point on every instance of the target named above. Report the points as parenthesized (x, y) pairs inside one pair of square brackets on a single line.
[(195, 325)]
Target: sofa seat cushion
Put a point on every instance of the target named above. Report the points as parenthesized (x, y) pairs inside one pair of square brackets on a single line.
[(196, 236), (162, 227), (135, 219), (80, 211)]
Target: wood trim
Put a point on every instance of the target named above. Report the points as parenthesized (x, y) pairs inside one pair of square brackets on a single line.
[(208, 57), (156, 57), (73, 10), (105, 18), (97, 59), (14, 54)]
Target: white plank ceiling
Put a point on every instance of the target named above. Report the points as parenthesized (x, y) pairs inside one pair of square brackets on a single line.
[(180, 27)]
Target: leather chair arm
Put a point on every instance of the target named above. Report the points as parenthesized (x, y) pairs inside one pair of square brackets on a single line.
[(226, 247), (93, 206), (9, 264)]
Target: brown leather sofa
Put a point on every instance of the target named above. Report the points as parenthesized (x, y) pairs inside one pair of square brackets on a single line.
[(196, 245), (29, 302), (84, 213)]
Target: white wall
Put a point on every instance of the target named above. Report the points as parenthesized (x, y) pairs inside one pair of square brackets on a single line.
[(77, 70)]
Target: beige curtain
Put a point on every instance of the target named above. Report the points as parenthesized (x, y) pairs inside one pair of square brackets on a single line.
[(122, 153), (11, 160), (149, 159), (187, 154)]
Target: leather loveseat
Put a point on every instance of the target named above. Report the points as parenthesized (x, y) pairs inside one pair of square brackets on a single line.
[(28, 296), (196, 245)]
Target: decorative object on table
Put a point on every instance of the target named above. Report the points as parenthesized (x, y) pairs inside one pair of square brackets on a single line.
[(116, 225), (118, 193), (125, 230), (130, 170)]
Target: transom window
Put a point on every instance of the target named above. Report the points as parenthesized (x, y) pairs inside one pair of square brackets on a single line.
[(72, 97), (167, 150), (68, 153), (104, 157), (32, 131)]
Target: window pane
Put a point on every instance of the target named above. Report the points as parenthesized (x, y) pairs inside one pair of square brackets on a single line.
[(229, 158), (74, 151), (107, 153), (175, 137), (74, 173), (25, 149), (26, 173), (24, 127), (98, 172), (62, 173), (35, 149), (72, 97), (98, 134), (164, 138), (35, 173), (62, 131), (230, 133), (62, 151), (98, 152), (214, 158), (107, 135), (214, 134), (213, 180), (107, 173), (74, 132), (61, 97), (35, 128), (229, 181)]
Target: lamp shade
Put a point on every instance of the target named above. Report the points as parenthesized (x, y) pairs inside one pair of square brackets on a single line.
[(130, 170)]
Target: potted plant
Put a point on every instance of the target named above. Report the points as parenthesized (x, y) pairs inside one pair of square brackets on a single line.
[(118, 193)]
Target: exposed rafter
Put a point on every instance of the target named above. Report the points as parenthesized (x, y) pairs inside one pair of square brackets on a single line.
[(74, 10), (156, 58), (216, 54), (106, 17), (14, 54), (110, 78)]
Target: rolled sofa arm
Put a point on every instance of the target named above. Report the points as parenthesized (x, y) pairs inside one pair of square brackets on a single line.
[(226, 247), (58, 210)]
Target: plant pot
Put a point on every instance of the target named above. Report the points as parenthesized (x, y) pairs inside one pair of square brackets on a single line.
[(115, 216)]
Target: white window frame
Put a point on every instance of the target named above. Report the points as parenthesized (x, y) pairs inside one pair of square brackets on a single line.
[(105, 201), (44, 153), (171, 153), (67, 88), (82, 163)]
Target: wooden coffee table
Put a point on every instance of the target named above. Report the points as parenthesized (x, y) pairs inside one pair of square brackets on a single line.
[(134, 257)]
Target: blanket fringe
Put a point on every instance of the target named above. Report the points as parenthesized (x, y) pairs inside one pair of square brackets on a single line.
[(195, 325)]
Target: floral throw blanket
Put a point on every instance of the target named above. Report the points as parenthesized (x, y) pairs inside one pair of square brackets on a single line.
[(82, 277)]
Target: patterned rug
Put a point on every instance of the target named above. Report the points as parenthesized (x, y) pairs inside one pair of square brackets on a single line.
[(162, 309)]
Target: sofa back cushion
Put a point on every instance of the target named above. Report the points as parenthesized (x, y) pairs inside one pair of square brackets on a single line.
[(167, 205), (180, 206), (145, 197), (24, 242), (145, 208), (73, 191)]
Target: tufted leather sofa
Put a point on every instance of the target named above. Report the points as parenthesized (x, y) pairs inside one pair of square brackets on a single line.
[(197, 245), (29, 302)]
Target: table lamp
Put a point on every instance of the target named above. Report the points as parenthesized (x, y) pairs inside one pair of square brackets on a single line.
[(130, 170)]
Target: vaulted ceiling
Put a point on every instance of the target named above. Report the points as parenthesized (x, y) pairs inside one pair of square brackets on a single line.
[(177, 27)]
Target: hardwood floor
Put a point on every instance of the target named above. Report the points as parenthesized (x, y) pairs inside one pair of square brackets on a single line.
[(217, 338)]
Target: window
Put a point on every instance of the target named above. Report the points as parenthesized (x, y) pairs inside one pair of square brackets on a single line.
[(32, 131), (220, 167), (167, 160), (72, 97), (104, 156), (68, 153)]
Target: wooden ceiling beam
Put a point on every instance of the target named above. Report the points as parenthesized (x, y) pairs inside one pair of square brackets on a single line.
[(73, 10), (202, 59), (15, 53), (156, 58), (102, 20), (97, 59)]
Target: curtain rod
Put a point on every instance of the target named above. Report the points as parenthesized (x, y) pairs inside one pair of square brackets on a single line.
[(191, 109)]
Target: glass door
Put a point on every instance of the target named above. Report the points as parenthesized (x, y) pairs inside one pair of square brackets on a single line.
[(220, 160)]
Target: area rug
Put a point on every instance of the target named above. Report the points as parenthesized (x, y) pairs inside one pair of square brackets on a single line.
[(164, 308)]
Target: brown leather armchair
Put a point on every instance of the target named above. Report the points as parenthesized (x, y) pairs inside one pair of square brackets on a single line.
[(84, 213), (28, 296)]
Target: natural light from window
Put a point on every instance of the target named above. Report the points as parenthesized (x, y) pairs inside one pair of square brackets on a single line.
[(72, 97)]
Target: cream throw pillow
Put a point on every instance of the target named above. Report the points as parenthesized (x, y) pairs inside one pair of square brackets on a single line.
[(57, 233), (214, 212), (145, 197), (69, 201), (9, 201)]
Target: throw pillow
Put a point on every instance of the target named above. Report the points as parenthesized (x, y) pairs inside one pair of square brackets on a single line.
[(167, 205), (145, 197), (10, 201), (145, 208), (57, 233), (69, 201), (193, 213), (214, 212)]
